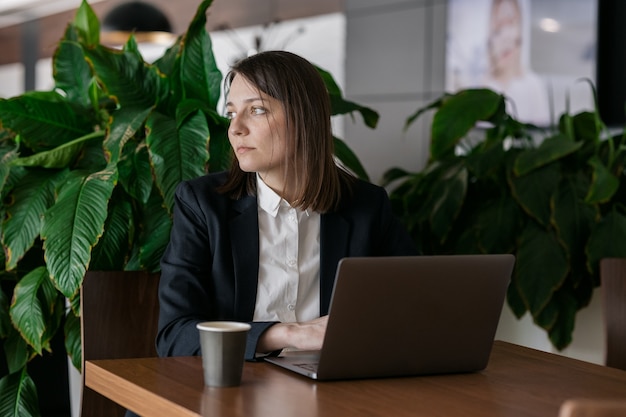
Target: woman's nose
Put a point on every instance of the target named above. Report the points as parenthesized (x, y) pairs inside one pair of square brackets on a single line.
[(237, 127)]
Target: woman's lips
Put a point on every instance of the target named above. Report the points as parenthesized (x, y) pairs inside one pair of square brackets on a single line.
[(243, 149)]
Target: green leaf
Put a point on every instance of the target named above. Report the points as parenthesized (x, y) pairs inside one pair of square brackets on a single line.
[(9, 178), (339, 105), (176, 154), (607, 239), (201, 79), (329, 81), (550, 150), (170, 67), (75, 304), (100, 102), (73, 225), (342, 106), (446, 200), (112, 249), (571, 216), (548, 316), (533, 191), (16, 350), (457, 115), (169, 60), (603, 183), (18, 396), (349, 159), (91, 157), (394, 174), (564, 304), (126, 76), (15, 176), (504, 127), (59, 157), (154, 233), (124, 124), (587, 126), (466, 243), (135, 172), (30, 199), (54, 303), (2, 254), (542, 267), (87, 24), (8, 153), (514, 298), (71, 72), (44, 120), (431, 106), (416, 194), (220, 151), (72, 339), (489, 159), (28, 311), (497, 224)]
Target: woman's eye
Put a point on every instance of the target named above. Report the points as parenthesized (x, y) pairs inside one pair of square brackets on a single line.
[(258, 110), (230, 115)]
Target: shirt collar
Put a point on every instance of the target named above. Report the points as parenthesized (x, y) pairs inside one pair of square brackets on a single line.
[(267, 198)]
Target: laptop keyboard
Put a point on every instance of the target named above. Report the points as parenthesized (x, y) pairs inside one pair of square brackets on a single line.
[(312, 366)]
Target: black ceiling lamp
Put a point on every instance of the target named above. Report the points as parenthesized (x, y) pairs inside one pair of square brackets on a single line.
[(146, 22)]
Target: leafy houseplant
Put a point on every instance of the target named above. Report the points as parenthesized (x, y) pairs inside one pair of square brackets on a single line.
[(555, 198), (87, 177)]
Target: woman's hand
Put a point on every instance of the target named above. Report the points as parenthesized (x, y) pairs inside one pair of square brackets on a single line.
[(307, 335)]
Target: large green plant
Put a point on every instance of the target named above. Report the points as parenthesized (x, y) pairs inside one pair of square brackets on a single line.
[(555, 198), (87, 177)]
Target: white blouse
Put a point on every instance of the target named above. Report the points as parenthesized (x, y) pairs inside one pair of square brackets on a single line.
[(289, 260)]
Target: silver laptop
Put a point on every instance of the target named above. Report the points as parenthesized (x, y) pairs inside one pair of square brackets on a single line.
[(402, 316)]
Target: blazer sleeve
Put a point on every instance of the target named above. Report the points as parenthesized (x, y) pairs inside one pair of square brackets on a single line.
[(197, 279)]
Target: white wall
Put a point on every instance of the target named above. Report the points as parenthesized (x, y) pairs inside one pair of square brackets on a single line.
[(12, 78), (394, 64)]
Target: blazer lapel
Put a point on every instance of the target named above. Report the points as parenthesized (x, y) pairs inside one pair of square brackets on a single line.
[(334, 231), (245, 223)]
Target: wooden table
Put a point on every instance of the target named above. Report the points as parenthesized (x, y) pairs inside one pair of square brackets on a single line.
[(517, 382)]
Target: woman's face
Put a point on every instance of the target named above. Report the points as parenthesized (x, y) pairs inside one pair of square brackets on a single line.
[(257, 131), (505, 37)]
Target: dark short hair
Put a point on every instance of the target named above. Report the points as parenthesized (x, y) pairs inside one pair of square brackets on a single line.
[(299, 87)]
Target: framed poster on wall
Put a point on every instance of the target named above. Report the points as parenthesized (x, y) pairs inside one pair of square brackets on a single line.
[(535, 52)]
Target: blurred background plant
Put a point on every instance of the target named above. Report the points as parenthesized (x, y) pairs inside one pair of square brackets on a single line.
[(555, 198)]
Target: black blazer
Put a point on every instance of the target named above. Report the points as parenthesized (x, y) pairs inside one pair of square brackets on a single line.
[(210, 268)]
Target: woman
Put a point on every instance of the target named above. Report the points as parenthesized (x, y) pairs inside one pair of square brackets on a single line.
[(526, 92), (261, 242)]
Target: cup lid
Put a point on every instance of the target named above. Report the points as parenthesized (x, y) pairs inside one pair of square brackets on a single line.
[(223, 326)]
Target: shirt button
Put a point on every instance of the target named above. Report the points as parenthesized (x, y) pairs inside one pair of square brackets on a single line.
[(291, 262), (291, 307)]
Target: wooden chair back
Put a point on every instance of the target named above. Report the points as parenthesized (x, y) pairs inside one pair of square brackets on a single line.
[(613, 287), (119, 317), (593, 408)]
